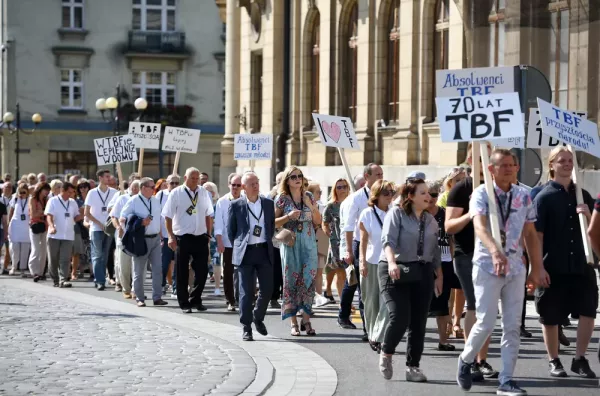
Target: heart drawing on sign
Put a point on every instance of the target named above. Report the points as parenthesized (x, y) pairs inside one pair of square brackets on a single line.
[(332, 130)]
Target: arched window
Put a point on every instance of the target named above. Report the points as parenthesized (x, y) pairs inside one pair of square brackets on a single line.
[(441, 46), (497, 33), (314, 65), (349, 63), (558, 72), (392, 96)]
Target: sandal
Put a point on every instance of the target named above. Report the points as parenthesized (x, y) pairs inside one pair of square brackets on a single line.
[(457, 332), (309, 330), (295, 331)]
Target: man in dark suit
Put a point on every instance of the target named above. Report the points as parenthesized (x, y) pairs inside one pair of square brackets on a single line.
[(251, 224)]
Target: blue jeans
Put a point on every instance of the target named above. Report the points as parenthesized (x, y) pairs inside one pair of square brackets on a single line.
[(348, 292), (100, 247), (167, 256)]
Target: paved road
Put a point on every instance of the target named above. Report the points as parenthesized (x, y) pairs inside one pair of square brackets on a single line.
[(356, 365)]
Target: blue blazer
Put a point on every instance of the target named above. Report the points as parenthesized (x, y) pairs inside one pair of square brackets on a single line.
[(134, 240), (238, 227)]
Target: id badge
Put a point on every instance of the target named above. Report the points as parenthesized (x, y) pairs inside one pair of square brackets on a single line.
[(150, 217), (23, 217), (257, 231), (190, 211), (194, 211), (104, 208), (67, 214)]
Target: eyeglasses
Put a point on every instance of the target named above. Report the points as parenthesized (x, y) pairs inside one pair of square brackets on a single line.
[(235, 185), (22, 192), (434, 195), (173, 183), (388, 193), (344, 187), (296, 177)]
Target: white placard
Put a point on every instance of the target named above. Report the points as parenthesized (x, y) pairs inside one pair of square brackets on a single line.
[(253, 147), (145, 135), (336, 131), (569, 128), (472, 82), (484, 117), (510, 143), (181, 139), (535, 137), (115, 149)]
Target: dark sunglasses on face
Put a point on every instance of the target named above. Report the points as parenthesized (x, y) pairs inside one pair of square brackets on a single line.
[(174, 183), (296, 177), (344, 187), (236, 185), (22, 192), (434, 195), (388, 193)]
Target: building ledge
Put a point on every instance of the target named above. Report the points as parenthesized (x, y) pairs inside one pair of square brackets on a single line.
[(72, 112), (72, 34), (62, 52), (155, 55)]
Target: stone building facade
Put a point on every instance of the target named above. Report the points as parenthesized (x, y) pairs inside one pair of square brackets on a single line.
[(375, 61), (59, 56)]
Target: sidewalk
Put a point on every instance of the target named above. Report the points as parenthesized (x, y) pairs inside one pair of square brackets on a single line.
[(58, 341)]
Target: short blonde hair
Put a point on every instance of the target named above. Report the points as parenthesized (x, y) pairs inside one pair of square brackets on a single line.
[(553, 155), (56, 183), (212, 187)]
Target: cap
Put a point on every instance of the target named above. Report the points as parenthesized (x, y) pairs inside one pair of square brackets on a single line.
[(417, 175)]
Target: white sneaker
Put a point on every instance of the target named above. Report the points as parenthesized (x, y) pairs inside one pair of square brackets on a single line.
[(321, 301), (173, 295), (414, 374), (218, 292)]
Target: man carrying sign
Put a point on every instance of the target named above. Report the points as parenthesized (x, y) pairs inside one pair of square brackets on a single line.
[(498, 271), (573, 288)]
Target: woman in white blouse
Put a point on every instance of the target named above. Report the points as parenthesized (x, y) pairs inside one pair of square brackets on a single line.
[(18, 230), (371, 223)]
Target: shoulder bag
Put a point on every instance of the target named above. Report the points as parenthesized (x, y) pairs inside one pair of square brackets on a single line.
[(411, 272)]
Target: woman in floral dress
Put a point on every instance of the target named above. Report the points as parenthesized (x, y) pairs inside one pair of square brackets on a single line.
[(297, 211)]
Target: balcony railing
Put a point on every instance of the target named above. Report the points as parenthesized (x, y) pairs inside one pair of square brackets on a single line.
[(157, 42)]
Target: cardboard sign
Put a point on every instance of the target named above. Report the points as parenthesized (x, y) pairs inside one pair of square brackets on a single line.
[(484, 117), (181, 139), (257, 147), (472, 82), (115, 149), (510, 143), (336, 131), (535, 137), (569, 128), (145, 135)]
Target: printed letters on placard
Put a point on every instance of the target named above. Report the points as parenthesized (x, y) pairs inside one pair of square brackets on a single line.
[(181, 139), (336, 131), (115, 149), (535, 137), (146, 135), (474, 82), (253, 146)]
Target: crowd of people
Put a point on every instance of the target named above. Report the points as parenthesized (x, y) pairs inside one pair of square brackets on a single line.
[(416, 249)]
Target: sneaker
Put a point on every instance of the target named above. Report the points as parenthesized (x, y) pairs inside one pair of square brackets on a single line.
[(118, 288), (510, 388), (141, 304), (12, 272), (557, 369), (160, 302), (385, 366), (487, 370), (582, 368), (463, 375), (414, 374), (275, 304), (101, 287), (346, 324), (562, 338), (173, 295), (476, 374), (230, 308), (321, 301), (218, 292), (65, 285)]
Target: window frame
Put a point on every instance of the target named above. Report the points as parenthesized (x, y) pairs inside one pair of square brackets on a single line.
[(164, 8), (497, 20), (72, 5), (392, 91), (557, 8), (72, 84), (164, 86)]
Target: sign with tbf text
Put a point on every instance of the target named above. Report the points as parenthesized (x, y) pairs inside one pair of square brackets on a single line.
[(510, 143), (249, 146), (535, 137), (569, 128), (181, 139), (472, 82), (145, 135), (115, 149), (336, 131), (485, 117)]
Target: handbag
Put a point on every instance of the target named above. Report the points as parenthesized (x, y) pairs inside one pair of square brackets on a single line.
[(411, 272), (38, 228), (109, 227), (286, 237)]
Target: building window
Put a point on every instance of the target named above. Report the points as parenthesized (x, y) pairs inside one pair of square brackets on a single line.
[(392, 97), (314, 66), (71, 89), (441, 46), (157, 87), (559, 52), (154, 15), (83, 161), (256, 95), (497, 33), (349, 63), (152, 160), (72, 14)]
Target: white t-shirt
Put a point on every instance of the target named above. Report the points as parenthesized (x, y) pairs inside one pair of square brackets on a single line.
[(98, 202), (187, 218), (221, 218), (369, 220), (142, 208), (64, 213), (18, 228), (358, 201), (162, 197)]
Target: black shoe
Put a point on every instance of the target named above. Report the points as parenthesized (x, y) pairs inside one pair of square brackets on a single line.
[(525, 333), (260, 327), (201, 307), (365, 337), (464, 376), (476, 374), (36, 278), (43, 277), (446, 347), (65, 285), (582, 368), (101, 287), (562, 338), (187, 310), (346, 324), (329, 297), (247, 336), (487, 370), (4, 272), (557, 369)]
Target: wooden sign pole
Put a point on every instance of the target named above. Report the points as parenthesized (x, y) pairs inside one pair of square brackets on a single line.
[(345, 163), (489, 188), (176, 163), (475, 165), (141, 162), (583, 222), (120, 176), (252, 164)]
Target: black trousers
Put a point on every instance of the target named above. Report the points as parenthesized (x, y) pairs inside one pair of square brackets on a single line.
[(196, 248), (253, 266), (110, 262), (408, 305), (228, 278), (277, 275)]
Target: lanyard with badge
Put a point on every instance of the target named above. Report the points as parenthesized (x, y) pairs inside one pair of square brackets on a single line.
[(257, 228), (23, 215), (67, 213), (103, 199), (192, 209), (504, 218), (149, 207)]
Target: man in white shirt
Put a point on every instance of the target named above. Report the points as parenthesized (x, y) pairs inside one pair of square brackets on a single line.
[(62, 213), (230, 284), (350, 247), (188, 217), (7, 192), (146, 206), (96, 212), (123, 260), (168, 256)]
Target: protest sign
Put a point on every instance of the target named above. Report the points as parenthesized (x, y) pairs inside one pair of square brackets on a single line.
[(114, 150), (146, 135), (484, 117), (535, 137), (472, 82), (510, 143), (569, 128), (253, 147), (336, 131), (181, 140)]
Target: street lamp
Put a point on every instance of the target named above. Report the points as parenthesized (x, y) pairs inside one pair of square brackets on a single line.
[(7, 121)]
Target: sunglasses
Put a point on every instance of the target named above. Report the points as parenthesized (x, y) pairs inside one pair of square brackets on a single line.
[(297, 177), (22, 192), (341, 187), (434, 195), (173, 183), (388, 193), (235, 185)]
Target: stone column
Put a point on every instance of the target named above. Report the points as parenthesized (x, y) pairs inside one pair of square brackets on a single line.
[(297, 82)]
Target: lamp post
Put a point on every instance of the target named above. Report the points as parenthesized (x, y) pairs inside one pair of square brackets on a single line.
[(7, 121)]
